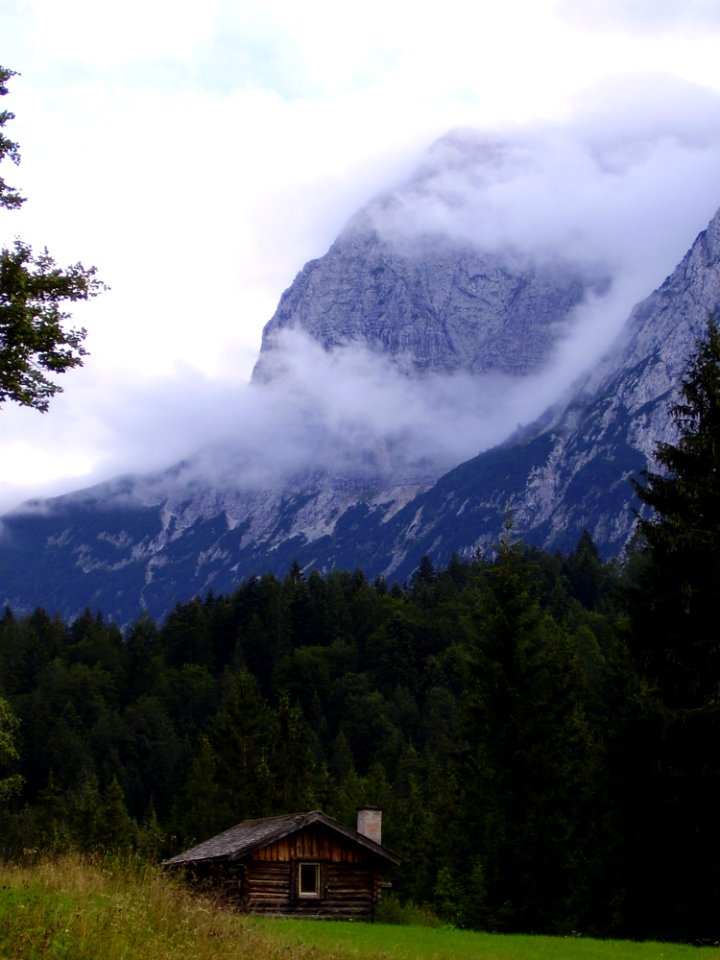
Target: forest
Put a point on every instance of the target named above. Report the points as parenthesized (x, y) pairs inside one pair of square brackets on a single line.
[(532, 776), (540, 730)]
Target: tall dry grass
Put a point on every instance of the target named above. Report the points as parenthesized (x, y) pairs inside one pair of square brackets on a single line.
[(75, 909)]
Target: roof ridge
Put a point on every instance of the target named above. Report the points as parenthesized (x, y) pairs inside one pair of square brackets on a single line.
[(248, 835)]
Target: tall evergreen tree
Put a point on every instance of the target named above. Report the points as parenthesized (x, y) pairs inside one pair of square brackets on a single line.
[(530, 771), (677, 604), (674, 607)]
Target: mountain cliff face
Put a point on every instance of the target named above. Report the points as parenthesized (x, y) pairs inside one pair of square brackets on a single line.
[(571, 470), (411, 279), (430, 304), (433, 307)]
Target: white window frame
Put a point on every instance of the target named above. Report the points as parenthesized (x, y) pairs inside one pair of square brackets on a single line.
[(316, 892)]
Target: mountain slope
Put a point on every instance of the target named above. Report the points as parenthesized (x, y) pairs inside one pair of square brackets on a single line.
[(571, 470), (144, 543)]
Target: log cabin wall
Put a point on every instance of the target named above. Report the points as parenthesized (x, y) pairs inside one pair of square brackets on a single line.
[(350, 892), (349, 883)]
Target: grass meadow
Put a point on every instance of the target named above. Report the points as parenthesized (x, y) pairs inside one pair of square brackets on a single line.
[(69, 909)]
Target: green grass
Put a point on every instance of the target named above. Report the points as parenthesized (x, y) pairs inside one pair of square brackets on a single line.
[(382, 942), (69, 909)]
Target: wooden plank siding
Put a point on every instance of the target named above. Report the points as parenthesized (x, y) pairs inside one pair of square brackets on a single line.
[(310, 844), (349, 891)]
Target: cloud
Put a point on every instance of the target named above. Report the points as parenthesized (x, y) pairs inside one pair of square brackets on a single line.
[(348, 412), (621, 189), (587, 190), (200, 154), (644, 16)]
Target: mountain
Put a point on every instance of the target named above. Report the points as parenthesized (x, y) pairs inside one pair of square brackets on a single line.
[(431, 307), (571, 470), (402, 283)]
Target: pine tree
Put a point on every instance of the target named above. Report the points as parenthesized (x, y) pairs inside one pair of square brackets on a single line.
[(202, 808), (530, 769), (674, 637), (677, 605), (584, 575), (241, 738), (116, 829)]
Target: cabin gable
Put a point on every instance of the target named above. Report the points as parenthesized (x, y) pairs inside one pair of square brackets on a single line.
[(312, 843)]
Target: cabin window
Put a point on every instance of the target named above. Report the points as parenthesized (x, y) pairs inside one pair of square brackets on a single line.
[(308, 880)]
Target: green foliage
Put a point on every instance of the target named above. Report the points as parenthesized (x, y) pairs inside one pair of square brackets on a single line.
[(9, 196), (494, 710), (393, 910), (673, 604), (588, 581), (11, 784), (530, 761), (36, 342)]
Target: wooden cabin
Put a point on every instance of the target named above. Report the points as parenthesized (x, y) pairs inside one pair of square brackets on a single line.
[(302, 865)]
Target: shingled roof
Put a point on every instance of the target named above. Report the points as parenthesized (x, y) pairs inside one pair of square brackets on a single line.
[(251, 835)]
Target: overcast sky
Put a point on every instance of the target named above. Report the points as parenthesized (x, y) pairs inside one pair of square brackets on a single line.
[(200, 154)]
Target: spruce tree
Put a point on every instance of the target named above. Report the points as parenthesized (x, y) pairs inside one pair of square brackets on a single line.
[(530, 769), (676, 602), (672, 777)]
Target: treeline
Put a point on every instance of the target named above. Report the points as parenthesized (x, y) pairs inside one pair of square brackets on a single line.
[(530, 772)]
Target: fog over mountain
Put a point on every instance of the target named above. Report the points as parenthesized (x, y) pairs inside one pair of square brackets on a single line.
[(603, 210), (449, 314), (610, 201), (623, 187)]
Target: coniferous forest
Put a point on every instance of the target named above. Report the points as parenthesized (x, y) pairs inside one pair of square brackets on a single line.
[(540, 730)]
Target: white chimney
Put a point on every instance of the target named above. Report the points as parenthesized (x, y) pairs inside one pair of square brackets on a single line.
[(369, 823)]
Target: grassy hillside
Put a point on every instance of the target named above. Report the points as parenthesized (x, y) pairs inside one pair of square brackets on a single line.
[(74, 910)]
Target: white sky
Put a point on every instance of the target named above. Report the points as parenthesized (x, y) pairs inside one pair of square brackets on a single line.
[(200, 153)]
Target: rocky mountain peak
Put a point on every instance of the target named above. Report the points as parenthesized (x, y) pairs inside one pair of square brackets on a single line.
[(427, 294)]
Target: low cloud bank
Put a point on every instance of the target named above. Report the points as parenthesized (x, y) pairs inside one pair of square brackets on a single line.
[(623, 191), (348, 412), (626, 184)]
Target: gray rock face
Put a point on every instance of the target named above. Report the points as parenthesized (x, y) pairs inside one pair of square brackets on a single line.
[(124, 547), (434, 307), (431, 276), (571, 470)]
